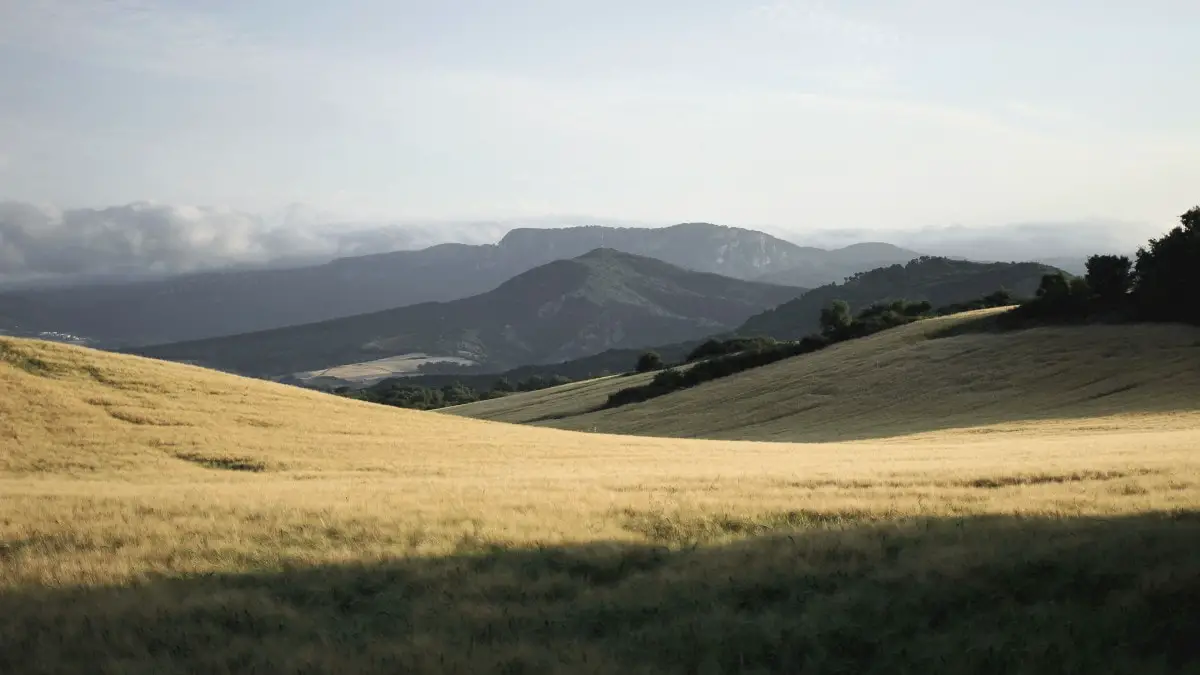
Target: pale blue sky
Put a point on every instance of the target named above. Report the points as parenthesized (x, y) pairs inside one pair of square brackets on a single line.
[(788, 114)]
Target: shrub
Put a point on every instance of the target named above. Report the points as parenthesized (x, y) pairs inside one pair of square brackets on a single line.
[(714, 347), (1001, 298), (1058, 298), (835, 318), (648, 362)]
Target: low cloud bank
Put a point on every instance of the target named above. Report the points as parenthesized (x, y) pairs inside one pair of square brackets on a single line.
[(1014, 242), (39, 243)]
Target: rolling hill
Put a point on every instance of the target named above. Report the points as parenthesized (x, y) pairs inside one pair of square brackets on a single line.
[(559, 311), (901, 382), (163, 518), (213, 304), (941, 281)]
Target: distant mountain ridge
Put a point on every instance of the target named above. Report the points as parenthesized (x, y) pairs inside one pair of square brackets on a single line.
[(834, 265), (212, 304), (561, 310), (941, 281)]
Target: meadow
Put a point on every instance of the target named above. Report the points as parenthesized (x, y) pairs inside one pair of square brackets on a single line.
[(162, 518), (907, 381)]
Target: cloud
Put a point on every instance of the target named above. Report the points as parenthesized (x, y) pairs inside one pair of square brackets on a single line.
[(147, 35), (40, 242), (1015, 241), (44, 243), (814, 18), (135, 239)]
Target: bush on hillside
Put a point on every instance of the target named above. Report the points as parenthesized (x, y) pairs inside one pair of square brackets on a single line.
[(648, 362), (714, 347), (1001, 298), (402, 394), (836, 318)]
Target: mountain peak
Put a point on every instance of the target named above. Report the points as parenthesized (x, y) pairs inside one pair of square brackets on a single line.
[(561, 310), (605, 253)]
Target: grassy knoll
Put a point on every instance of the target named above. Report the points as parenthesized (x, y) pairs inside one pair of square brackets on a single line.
[(903, 381), (159, 518)]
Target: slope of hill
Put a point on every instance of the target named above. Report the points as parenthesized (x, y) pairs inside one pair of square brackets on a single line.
[(559, 311), (901, 382), (214, 304), (160, 518), (941, 281)]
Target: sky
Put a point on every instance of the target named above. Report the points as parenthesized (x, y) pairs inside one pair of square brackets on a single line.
[(787, 115)]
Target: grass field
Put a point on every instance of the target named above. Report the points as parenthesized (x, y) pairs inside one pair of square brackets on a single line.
[(902, 382), (159, 518)]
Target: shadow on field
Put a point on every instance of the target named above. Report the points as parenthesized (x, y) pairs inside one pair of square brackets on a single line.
[(979, 595)]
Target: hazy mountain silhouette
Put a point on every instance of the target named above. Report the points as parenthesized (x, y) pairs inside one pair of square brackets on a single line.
[(211, 304), (562, 310)]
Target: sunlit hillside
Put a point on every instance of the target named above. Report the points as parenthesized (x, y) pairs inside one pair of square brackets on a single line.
[(910, 381), (160, 518)]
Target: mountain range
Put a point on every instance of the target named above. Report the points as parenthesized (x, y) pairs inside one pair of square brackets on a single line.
[(941, 281), (558, 311), (213, 304)]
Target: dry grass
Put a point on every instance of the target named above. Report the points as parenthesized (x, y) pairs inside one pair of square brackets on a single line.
[(159, 518), (902, 382)]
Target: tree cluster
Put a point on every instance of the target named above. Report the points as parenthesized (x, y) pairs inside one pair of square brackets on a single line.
[(715, 359), (397, 392), (1162, 284)]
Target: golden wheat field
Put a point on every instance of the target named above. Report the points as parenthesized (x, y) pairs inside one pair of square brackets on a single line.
[(161, 518)]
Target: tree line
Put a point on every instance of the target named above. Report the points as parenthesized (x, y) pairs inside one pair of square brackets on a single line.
[(1161, 284), (396, 392), (715, 359)]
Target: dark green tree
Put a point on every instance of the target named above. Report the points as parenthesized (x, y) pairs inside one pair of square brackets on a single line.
[(1000, 298), (1110, 278), (1054, 287), (836, 318), (533, 383), (648, 362), (1167, 273)]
